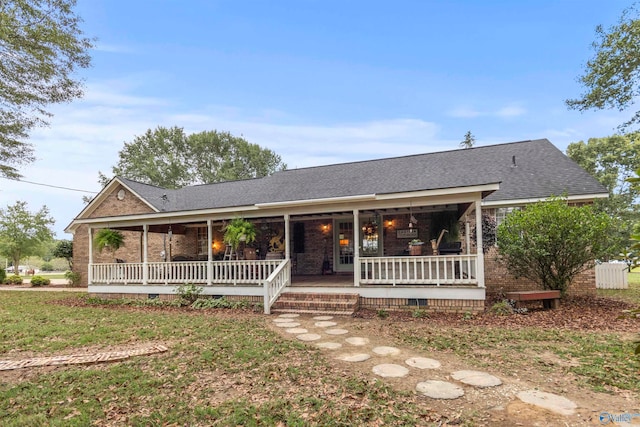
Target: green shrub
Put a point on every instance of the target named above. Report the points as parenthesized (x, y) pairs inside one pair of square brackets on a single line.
[(46, 266), (3, 275), (188, 293), (502, 308), (14, 279), (73, 278), (40, 281), (382, 313)]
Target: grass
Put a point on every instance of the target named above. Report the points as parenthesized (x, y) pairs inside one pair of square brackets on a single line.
[(602, 361), (221, 369)]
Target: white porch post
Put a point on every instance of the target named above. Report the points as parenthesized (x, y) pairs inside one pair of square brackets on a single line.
[(287, 249), (90, 269), (356, 248), (145, 254), (479, 251), (209, 253)]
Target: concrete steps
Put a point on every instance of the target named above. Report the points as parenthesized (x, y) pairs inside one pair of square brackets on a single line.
[(314, 303)]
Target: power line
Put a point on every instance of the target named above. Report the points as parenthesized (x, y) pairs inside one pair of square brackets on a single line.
[(49, 185)]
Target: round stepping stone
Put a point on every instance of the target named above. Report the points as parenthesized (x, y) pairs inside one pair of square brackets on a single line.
[(323, 317), (309, 337), (439, 389), (361, 357), (386, 351), (287, 324), (329, 345), (325, 324), (282, 320), (423, 363), (357, 340), (390, 370), (336, 331), (552, 402), (289, 315), (296, 331), (476, 378)]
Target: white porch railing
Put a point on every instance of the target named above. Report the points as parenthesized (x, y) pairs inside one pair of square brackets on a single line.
[(419, 270), (196, 272), (275, 284)]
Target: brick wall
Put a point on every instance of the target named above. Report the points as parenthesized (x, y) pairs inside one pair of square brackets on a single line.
[(316, 239), (498, 280)]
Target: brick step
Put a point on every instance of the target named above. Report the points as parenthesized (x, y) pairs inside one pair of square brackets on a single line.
[(312, 303)]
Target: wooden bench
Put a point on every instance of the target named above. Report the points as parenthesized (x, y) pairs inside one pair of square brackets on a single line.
[(550, 299)]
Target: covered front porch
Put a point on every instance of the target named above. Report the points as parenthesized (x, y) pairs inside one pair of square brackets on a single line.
[(317, 247)]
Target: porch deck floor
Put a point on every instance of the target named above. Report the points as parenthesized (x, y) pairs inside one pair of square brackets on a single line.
[(328, 280)]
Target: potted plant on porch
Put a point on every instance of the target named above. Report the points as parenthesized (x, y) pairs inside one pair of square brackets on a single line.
[(415, 247), (238, 231), (108, 239)]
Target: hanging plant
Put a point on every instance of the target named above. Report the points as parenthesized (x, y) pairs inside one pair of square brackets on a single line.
[(239, 230), (108, 239)]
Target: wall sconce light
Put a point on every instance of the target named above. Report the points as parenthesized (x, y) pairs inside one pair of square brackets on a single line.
[(214, 245), (325, 228), (389, 223)]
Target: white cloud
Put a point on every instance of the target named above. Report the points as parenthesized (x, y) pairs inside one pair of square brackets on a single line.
[(510, 111), (85, 137)]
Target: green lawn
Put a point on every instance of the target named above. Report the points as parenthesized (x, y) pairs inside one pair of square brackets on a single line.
[(220, 370), (228, 368)]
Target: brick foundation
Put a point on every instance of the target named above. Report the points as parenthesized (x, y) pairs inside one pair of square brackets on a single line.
[(433, 305)]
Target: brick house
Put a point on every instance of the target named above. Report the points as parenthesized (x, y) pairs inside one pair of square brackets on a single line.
[(336, 229)]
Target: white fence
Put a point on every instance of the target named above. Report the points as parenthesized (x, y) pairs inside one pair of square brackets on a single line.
[(612, 275)]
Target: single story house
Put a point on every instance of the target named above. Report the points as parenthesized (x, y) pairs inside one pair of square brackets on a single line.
[(342, 229)]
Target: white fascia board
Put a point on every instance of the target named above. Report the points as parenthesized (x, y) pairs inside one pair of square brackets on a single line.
[(323, 201), (161, 217), (519, 202), (440, 192)]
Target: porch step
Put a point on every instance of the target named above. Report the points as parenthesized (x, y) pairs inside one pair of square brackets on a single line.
[(314, 303)]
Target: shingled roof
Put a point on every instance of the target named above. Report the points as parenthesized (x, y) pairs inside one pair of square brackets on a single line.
[(525, 170)]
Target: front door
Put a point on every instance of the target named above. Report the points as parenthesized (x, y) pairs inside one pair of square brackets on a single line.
[(344, 245)]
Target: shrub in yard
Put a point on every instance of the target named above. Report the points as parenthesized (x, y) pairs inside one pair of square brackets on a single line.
[(3, 275), (40, 281), (14, 279), (188, 293), (502, 308), (73, 278), (46, 266), (551, 242)]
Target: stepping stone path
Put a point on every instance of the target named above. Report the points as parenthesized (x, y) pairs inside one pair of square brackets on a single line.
[(476, 379), (439, 389), (433, 389), (552, 402), (423, 363), (390, 370)]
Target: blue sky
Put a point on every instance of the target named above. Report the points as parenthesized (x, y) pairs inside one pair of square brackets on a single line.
[(318, 82)]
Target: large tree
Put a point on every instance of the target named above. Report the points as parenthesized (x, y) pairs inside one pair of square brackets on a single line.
[(64, 249), (611, 76), (41, 47), (551, 242), (169, 158), (612, 160), (23, 233)]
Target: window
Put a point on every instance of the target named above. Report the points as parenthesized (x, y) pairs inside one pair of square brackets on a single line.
[(501, 213), (202, 238)]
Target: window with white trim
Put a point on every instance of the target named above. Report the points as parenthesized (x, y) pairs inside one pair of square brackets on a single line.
[(202, 238), (501, 213)]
